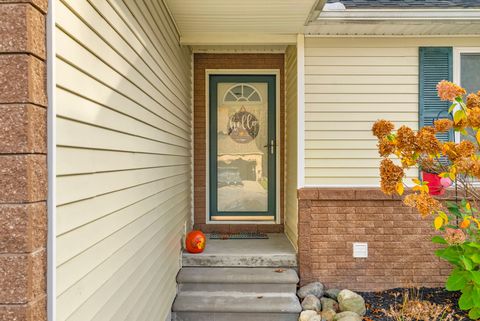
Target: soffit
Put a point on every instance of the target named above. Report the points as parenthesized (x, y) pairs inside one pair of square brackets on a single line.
[(276, 18)]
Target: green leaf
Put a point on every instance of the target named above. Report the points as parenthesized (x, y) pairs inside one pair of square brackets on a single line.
[(474, 313), (466, 301), (473, 244), (457, 280), (439, 240), (475, 276), (476, 295), (475, 258), (452, 107), (451, 254), (467, 263), (454, 209)]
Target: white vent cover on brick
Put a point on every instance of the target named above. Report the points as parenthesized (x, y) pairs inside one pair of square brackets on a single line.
[(360, 250)]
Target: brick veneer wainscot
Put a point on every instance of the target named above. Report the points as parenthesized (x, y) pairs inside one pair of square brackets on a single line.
[(23, 161), (203, 61), (400, 252)]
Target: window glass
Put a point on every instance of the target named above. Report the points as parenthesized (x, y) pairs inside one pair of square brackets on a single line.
[(242, 93), (470, 72)]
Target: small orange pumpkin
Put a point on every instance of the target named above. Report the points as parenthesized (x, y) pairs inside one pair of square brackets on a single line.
[(195, 242)]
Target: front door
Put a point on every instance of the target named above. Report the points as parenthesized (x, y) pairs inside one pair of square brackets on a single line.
[(242, 155)]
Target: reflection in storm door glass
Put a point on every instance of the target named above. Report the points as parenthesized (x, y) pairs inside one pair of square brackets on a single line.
[(242, 160)]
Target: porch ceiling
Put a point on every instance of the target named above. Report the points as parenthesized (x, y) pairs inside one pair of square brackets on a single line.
[(202, 22)]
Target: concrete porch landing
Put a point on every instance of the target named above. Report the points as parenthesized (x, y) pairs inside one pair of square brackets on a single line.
[(277, 251)]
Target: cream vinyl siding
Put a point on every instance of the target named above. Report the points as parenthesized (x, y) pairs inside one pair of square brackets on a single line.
[(349, 84), (291, 208), (124, 165)]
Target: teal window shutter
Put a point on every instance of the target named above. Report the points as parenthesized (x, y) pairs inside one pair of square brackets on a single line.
[(435, 65)]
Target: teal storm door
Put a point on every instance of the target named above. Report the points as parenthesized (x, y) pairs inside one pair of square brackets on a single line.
[(242, 147)]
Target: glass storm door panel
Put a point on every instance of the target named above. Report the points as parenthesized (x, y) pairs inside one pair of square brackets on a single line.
[(242, 147)]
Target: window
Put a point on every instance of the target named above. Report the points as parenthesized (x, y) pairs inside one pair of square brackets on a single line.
[(242, 93), (466, 70)]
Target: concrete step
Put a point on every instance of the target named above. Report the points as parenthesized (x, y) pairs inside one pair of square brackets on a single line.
[(230, 306), (276, 251), (237, 279), (212, 316)]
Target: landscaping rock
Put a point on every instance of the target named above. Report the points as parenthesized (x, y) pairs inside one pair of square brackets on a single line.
[(311, 302), (328, 315), (307, 315), (347, 316), (332, 293), (351, 301), (329, 304), (315, 288)]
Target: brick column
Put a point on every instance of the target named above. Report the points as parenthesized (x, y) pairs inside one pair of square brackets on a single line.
[(23, 161)]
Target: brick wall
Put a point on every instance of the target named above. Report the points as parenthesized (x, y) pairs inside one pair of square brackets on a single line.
[(400, 250), (23, 167), (228, 61)]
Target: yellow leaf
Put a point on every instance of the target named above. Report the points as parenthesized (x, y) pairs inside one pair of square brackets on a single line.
[(443, 216), (478, 136), (438, 222), (444, 174), (468, 207), (416, 181), (458, 116), (476, 221), (452, 176), (400, 188), (417, 188), (425, 188)]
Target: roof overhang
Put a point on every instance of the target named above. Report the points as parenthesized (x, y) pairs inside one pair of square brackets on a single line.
[(395, 22)]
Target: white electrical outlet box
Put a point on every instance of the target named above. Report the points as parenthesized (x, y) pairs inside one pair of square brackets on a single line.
[(360, 250)]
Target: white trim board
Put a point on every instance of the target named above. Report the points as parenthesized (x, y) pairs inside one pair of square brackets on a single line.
[(51, 161), (300, 111), (274, 72)]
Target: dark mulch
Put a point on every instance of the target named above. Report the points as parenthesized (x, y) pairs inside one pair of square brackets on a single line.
[(378, 301)]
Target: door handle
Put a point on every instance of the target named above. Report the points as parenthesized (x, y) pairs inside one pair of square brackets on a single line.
[(272, 146)]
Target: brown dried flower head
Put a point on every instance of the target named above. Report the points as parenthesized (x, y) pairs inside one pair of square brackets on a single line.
[(428, 165), (475, 170), (449, 91), (465, 148), (460, 125), (390, 175), (424, 203), (386, 147), (473, 100), (382, 128), (473, 115), (464, 164), (427, 142), (406, 139), (443, 125), (410, 200), (450, 149)]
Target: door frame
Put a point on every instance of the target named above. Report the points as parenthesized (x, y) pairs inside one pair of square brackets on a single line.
[(251, 72)]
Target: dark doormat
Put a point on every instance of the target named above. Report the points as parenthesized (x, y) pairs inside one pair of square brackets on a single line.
[(237, 236)]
